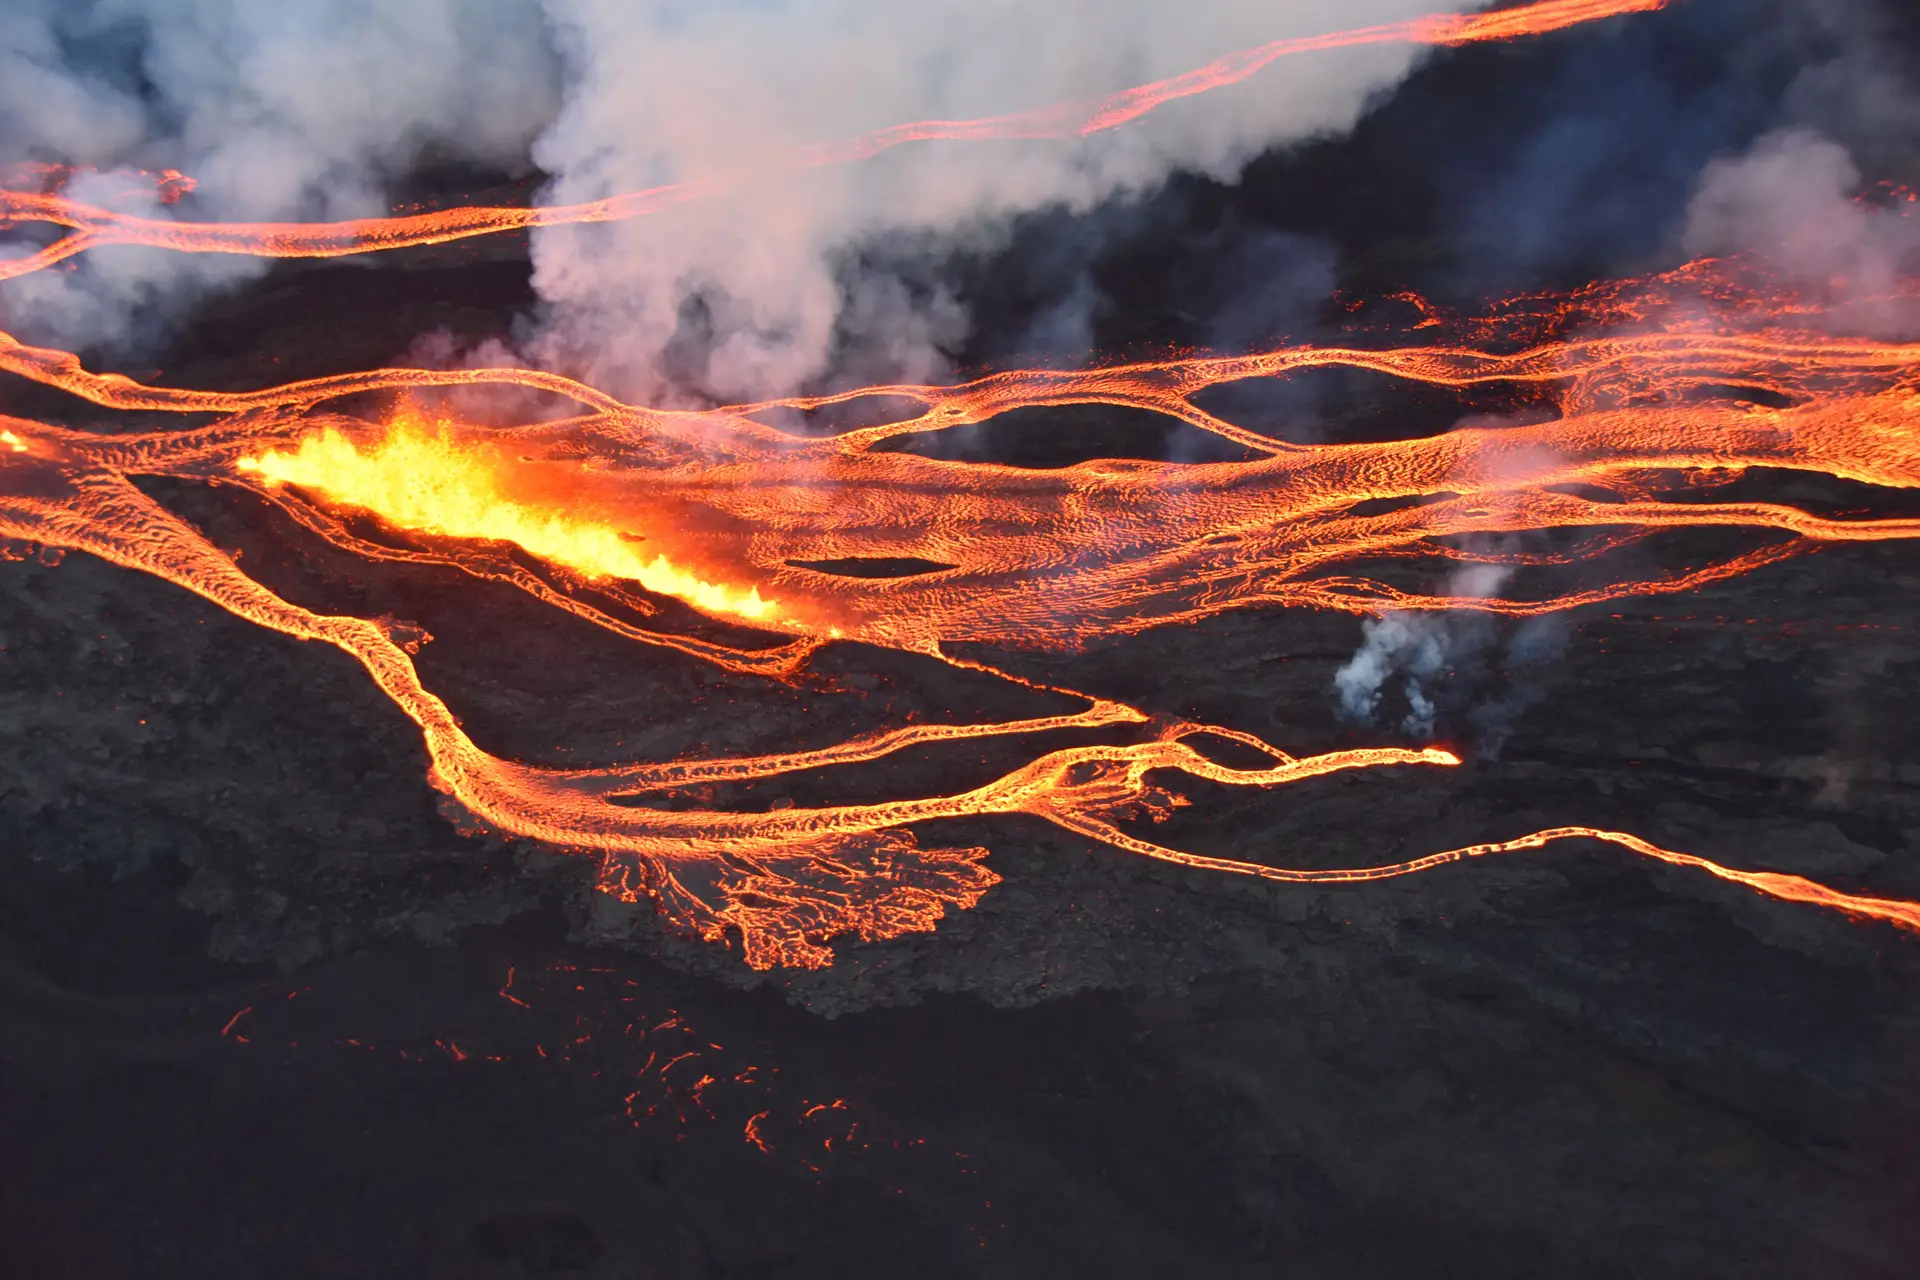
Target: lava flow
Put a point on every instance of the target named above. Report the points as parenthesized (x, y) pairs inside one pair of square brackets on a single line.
[(424, 480), (1639, 407)]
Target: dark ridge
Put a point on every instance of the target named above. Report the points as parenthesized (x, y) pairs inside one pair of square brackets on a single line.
[(1337, 404), (1765, 397), (1228, 752), (439, 179), (312, 320), (1387, 506), (1591, 492), (843, 416), (1049, 436), (874, 566), (1834, 497), (22, 398)]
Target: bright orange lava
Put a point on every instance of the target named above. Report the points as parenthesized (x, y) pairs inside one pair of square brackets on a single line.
[(425, 480), (716, 507)]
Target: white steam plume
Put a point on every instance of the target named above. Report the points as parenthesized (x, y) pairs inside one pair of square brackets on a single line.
[(1419, 644), (279, 109), (659, 92), (1789, 199), (310, 110)]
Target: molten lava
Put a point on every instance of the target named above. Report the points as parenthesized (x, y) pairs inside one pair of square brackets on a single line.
[(1650, 392), (425, 480)]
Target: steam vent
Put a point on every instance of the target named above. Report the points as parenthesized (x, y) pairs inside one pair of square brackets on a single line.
[(964, 639)]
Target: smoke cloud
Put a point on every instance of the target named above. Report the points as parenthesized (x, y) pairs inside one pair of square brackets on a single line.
[(1719, 131), (316, 110), (1580, 160), (763, 280), (1421, 646), (1447, 664), (279, 111), (1790, 200)]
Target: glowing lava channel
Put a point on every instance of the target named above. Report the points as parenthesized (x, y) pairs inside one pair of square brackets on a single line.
[(1118, 548), (1050, 560), (424, 480)]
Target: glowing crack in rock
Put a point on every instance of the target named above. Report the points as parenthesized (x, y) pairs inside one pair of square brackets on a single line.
[(726, 512)]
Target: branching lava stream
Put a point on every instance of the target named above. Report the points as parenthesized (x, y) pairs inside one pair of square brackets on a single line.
[(733, 514)]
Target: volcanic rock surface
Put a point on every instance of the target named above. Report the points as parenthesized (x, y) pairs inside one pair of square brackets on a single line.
[(265, 1010), (1564, 1058)]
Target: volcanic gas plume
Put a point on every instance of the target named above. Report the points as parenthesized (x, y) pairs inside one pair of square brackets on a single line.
[(1647, 394)]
